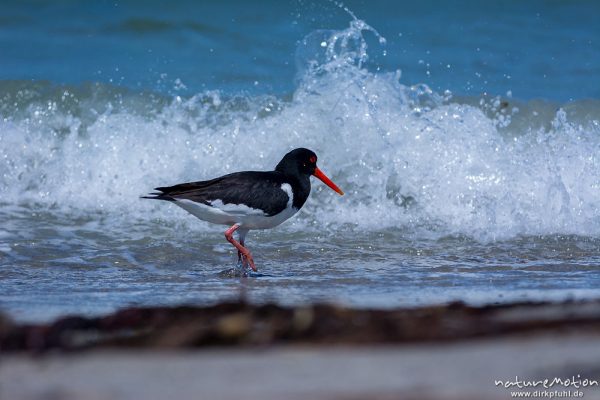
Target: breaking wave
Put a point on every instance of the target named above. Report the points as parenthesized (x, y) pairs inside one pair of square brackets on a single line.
[(407, 157)]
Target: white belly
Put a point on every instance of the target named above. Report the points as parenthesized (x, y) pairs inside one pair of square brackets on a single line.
[(246, 217)]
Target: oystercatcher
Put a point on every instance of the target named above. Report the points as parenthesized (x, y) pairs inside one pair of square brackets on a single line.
[(250, 199)]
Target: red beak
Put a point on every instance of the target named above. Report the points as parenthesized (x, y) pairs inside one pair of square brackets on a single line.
[(319, 174)]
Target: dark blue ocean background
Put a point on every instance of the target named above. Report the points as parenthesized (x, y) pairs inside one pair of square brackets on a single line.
[(537, 49)]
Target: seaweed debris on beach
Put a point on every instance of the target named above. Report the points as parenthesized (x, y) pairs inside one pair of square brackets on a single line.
[(244, 324)]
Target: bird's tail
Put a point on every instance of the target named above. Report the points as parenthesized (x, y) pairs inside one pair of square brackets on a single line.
[(158, 196)]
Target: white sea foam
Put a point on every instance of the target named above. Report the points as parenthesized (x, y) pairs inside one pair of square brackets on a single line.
[(405, 156)]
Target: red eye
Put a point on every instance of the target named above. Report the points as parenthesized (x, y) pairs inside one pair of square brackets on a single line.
[(313, 159)]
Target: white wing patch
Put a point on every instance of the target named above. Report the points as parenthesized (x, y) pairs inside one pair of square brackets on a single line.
[(236, 209)]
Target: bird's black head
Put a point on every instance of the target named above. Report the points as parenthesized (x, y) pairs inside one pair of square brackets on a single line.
[(303, 162), (298, 162)]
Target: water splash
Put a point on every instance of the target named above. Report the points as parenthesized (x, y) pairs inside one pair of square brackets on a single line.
[(407, 157), (326, 51)]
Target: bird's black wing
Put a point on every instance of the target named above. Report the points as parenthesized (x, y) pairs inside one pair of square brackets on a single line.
[(258, 190)]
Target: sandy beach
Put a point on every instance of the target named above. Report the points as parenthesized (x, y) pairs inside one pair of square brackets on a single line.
[(465, 370), (239, 350)]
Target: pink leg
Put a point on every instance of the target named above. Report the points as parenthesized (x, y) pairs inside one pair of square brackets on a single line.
[(242, 251)]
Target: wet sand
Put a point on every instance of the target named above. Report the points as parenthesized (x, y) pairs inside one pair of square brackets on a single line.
[(459, 370)]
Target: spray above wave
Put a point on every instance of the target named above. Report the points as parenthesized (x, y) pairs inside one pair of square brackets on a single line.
[(409, 158)]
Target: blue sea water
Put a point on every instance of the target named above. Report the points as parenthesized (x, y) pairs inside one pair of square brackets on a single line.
[(465, 134), (536, 49)]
